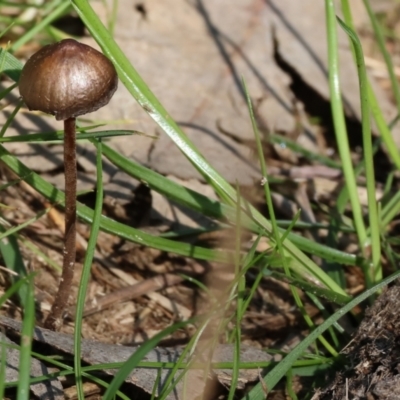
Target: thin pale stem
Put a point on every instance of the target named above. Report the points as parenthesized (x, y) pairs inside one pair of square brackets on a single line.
[(54, 319)]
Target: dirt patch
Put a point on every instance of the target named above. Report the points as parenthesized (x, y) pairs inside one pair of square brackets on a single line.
[(373, 355)]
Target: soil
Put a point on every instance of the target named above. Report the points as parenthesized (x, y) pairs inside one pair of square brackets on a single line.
[(372, 357)]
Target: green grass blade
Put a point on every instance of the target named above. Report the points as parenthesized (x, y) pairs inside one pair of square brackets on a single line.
[(17, 228), (136, 357), (107, 224), (53, 15), (13, 260), (59, 136), (66, 370), (391, 209), (376, 110), (5, 30), (15, 288), (340, 125), (237, 292), (9, 89), (39, 253), (3, 359), (215, 209), (86, 271), (368, 155), (292, 145), (26, 342), (173, 191), (326, 294), (12, 66), (10, 118), (143, 95), (275, 231), (385, 53)]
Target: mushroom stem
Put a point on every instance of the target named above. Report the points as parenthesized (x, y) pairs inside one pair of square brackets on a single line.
[(54, 319)]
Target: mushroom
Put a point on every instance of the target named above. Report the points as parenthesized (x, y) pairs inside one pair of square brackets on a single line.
[(67, 79)]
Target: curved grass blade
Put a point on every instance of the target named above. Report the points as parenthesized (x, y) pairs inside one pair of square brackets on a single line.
[(376, 110), (26, 342), (340, 124), (91, 247), (306, 286), (107, 224), (368, 154), (215, 209), (139, 354), (54, 14), (59, 136), (13, 260), (10, 118)]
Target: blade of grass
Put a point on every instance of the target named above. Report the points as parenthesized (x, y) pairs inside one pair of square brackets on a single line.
[(156, 384), (3, 358), (10, 118), (279, 139), (107, 224), (28, 222), (275, 229), (326, 294), (376, 273), (376, 110), (12, 66), (5, 30), (386, 56), (247, 263), (289, 385), (9, 89), (53, 15), (216, 209), (59, 136), (13, 260), (80, 305), (69, 370), (391, 209), (26, 342), (340, 125), (15, 288), (238, 292), (136, 357), (39, 253)]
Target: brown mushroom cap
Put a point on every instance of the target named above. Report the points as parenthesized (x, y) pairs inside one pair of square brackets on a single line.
[(67, 79)]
